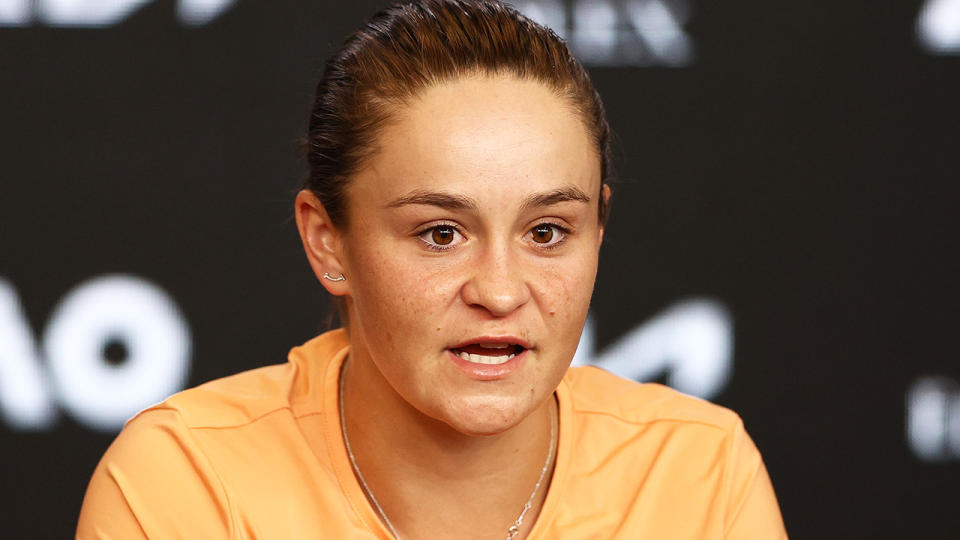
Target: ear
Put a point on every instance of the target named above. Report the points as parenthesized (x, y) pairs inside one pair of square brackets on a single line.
[(605, 193), (322, 242)]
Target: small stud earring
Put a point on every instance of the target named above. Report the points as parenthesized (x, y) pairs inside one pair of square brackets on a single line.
[(331, 278)]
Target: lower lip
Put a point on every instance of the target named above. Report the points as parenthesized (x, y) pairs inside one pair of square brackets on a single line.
[(488, 372)]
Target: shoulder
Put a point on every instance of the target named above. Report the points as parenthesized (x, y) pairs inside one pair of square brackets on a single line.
[(672, 465), (595, 391), (242, 398), (154, 469), (167, 439), (176, 468), (229, 401)]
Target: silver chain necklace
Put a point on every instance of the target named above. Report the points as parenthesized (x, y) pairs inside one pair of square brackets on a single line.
[(514, 529)]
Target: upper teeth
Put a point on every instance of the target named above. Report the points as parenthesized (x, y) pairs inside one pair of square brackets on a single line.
[(484, 359)]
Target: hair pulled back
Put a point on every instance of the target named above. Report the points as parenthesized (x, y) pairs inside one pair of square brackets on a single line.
[(405, 49)]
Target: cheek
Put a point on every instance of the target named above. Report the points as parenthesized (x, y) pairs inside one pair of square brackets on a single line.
[(399, 291), (565, 290)]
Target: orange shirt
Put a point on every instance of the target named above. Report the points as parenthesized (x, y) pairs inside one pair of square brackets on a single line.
[(260, 455)]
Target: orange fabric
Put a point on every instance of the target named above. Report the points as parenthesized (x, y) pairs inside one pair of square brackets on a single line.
[(260, 455)]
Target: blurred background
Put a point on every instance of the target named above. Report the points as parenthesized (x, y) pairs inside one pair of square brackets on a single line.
[(783, 242)]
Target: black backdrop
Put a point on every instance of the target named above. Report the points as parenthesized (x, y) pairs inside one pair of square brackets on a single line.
[(797, 168)]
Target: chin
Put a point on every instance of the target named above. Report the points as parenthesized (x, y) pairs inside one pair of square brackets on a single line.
[(486, 417)]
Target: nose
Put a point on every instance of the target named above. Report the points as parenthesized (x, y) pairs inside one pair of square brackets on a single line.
[(497, 283)]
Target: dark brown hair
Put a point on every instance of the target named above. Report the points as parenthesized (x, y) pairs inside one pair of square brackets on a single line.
[(411, 46)]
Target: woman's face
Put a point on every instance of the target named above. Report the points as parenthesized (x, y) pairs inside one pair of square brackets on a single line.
[(472, 250)]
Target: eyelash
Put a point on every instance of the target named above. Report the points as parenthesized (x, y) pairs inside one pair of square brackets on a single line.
[(430, 229), (564, 234)]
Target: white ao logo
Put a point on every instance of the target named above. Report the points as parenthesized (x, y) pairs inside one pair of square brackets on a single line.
[(96, 13), (933, 419), (618, 32), (938, 26), (691, 342), (115, 315)]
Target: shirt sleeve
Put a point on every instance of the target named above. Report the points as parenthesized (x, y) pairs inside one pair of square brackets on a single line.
[(752, 511), (155, 482)]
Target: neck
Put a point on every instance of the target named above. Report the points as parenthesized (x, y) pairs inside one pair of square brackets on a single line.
[(474, 486)]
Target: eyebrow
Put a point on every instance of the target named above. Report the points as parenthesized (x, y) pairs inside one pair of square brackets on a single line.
[(432, 198), (459, 202), (550, 198)]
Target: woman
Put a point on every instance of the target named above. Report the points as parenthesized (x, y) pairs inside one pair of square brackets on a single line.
[(455, 207)]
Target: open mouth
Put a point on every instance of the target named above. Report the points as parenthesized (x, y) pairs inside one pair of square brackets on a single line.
[(488, 353)]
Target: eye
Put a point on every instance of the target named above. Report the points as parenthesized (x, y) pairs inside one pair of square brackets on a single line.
[(548, 234), (441, 237)]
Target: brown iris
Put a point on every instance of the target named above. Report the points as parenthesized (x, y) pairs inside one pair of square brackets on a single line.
[(442, 235), (542, 234)]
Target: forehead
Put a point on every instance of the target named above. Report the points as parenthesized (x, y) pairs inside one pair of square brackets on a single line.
[(477, 133)]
